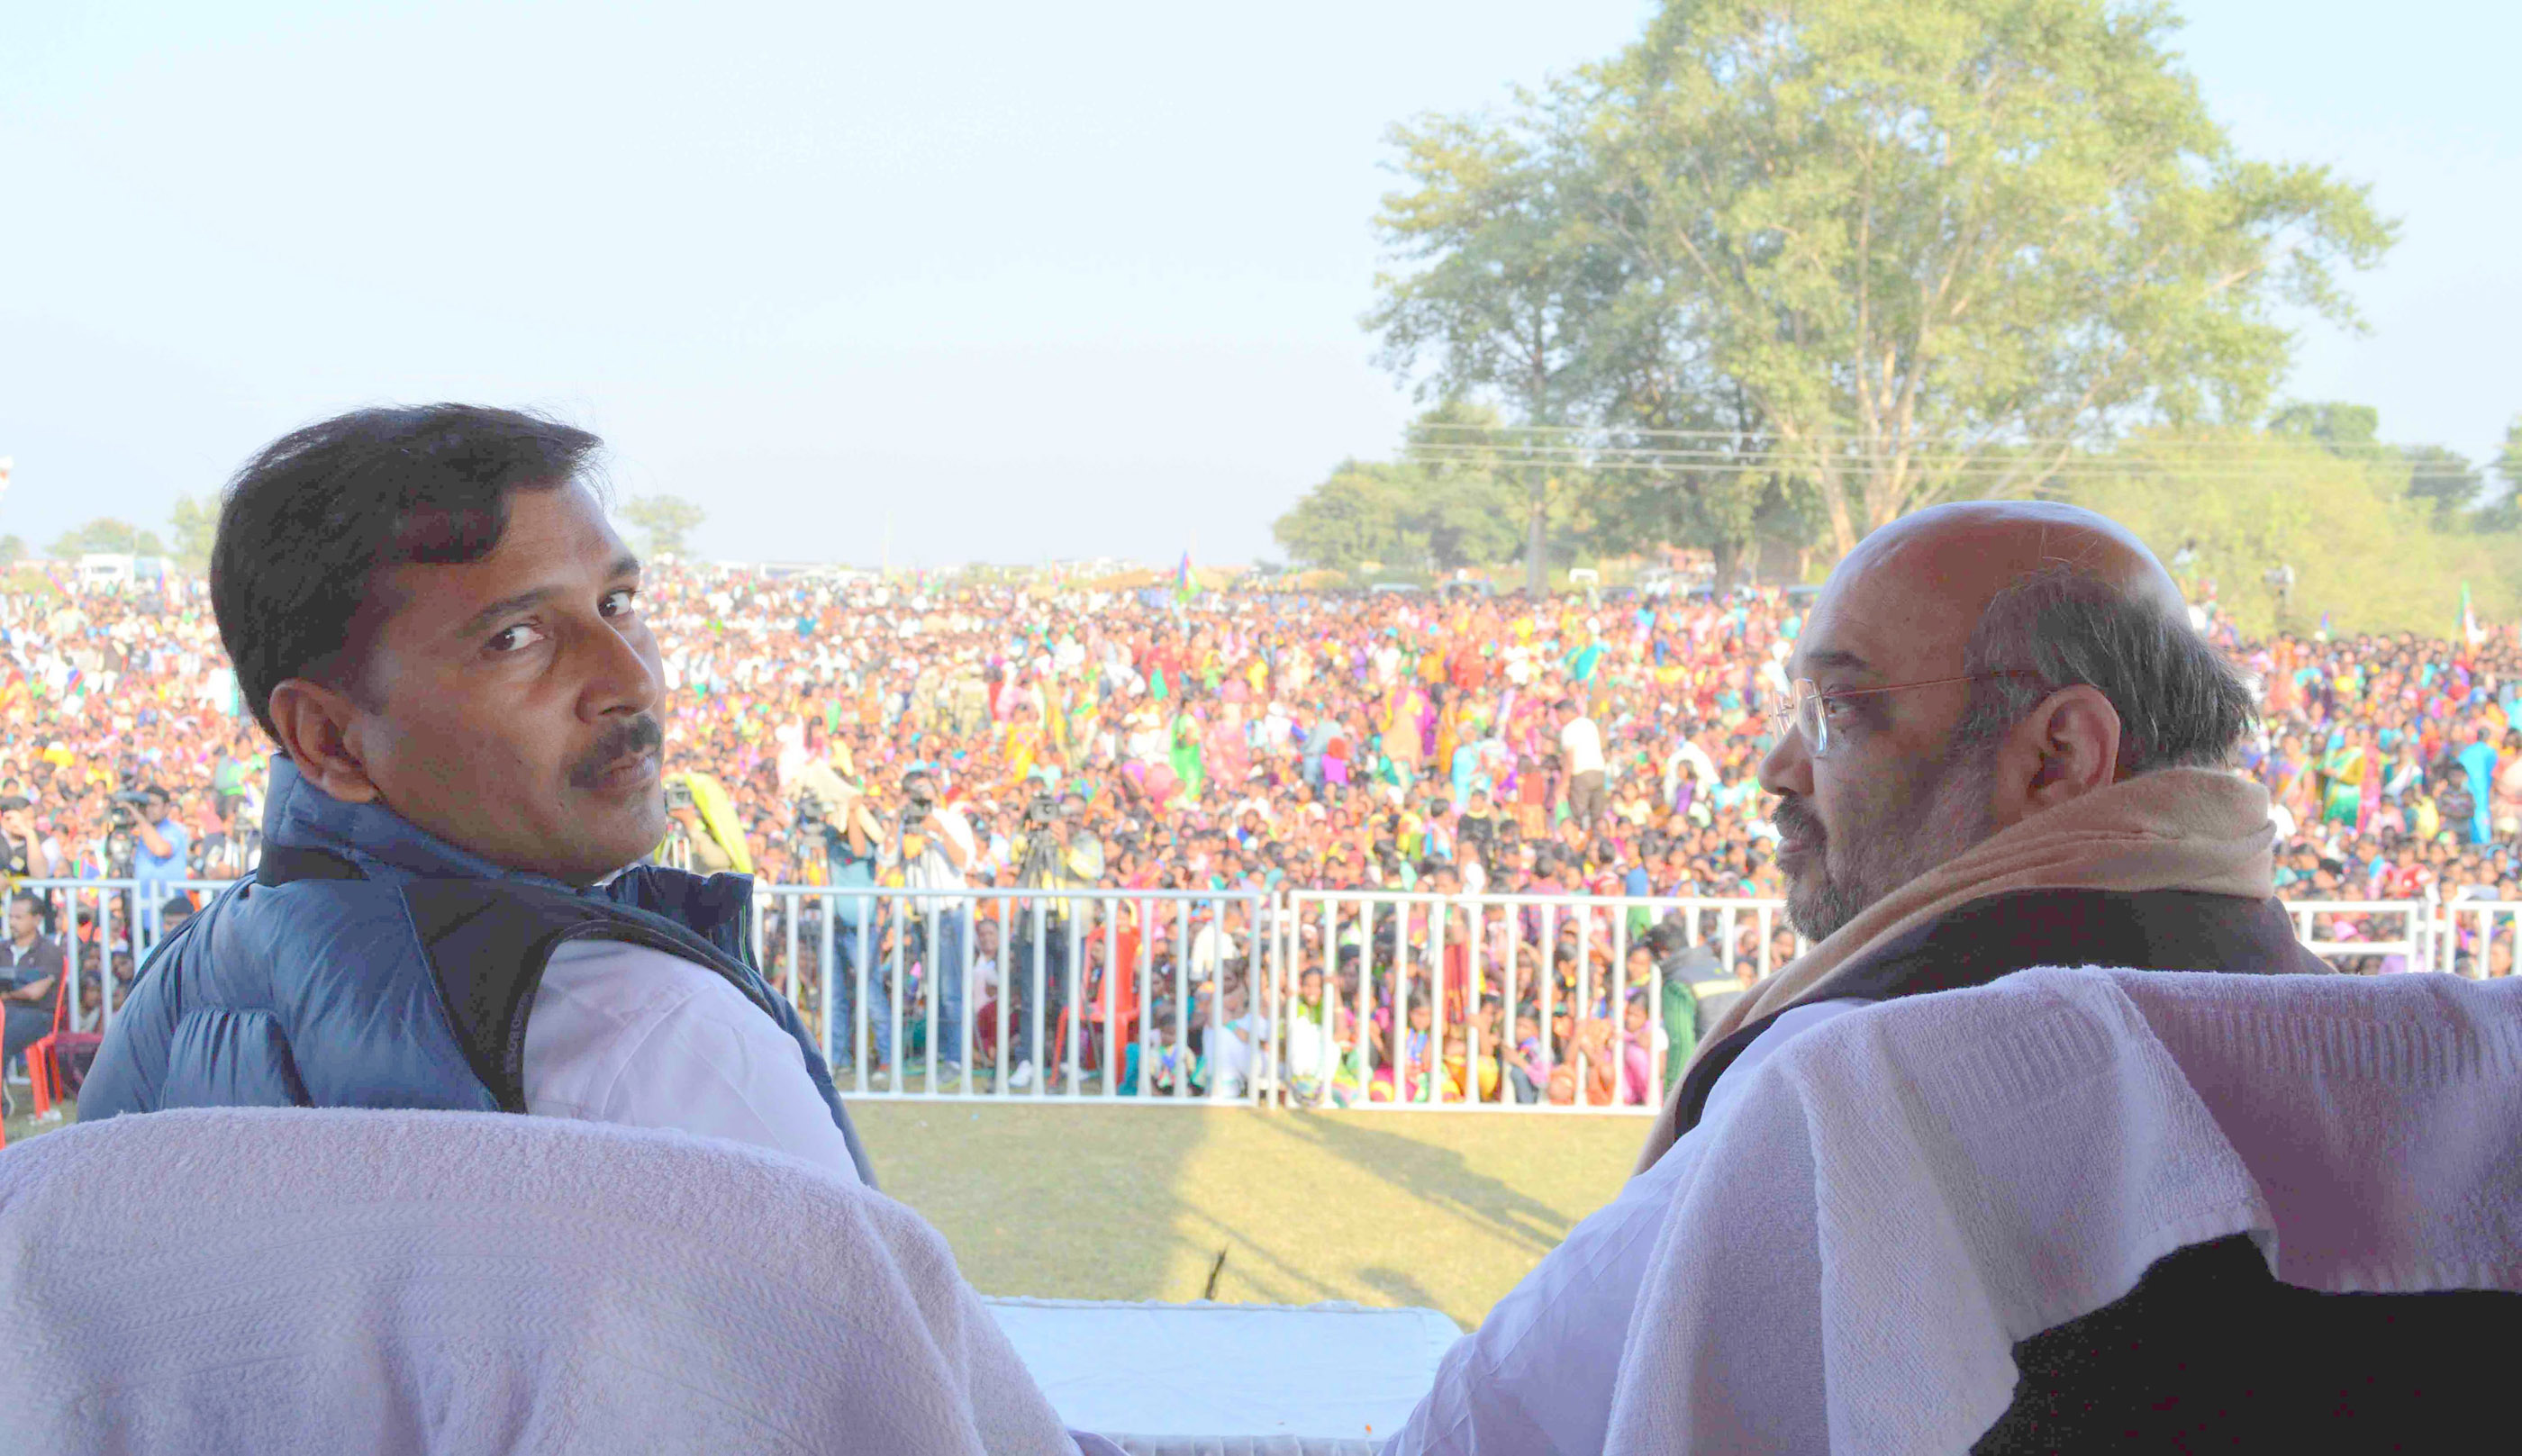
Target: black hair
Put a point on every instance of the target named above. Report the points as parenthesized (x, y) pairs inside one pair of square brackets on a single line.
[(310, 523)]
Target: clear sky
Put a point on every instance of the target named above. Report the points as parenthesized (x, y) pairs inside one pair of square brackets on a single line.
[(1024, 281)]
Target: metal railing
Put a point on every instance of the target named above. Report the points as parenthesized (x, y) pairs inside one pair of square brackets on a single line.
[(96, 922), (1420, 995), (1068, 994), (1307, 998)]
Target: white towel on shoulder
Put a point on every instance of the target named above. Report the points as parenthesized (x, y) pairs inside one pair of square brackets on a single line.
[(1902, 1194), (284, 1281)]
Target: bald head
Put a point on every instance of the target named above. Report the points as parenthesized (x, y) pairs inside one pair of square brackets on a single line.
[(1927, 578)]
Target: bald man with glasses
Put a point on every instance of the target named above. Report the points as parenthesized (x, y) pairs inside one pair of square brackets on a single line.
[(2004, 746)]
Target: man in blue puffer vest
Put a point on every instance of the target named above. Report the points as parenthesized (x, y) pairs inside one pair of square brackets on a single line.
[(429, 612)]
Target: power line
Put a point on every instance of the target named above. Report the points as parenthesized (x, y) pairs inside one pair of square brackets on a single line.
[(2024, 442), (1786, 460)]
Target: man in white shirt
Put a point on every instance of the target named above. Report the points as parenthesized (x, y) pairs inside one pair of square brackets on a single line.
[(1580, 742), (932, 845)]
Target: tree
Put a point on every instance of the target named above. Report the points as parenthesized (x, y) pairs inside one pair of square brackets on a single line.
[(2501, 510), (1937, 246), (2227, 506), (106, 534), (1501, 307), (667, 520), (13, 550), (1353, 516), (195, 525), (2440, 479), (1411, 515), (2349, 430), (2445, 480)]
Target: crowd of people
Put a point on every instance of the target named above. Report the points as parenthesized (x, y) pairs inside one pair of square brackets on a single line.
[(948, 735)]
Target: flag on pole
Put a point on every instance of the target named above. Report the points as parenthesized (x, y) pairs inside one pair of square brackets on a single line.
[(2470, 631), (1186, 585)]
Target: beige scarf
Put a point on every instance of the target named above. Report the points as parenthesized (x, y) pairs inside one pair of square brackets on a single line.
[(2191, 829)]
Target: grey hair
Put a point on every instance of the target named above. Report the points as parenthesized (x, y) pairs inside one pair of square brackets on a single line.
[(2180, 703)]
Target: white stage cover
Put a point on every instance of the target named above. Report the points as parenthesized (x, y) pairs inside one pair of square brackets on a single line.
[(1214, 1378)]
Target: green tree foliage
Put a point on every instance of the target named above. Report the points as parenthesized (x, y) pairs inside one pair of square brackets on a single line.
[(2503, 510), (667, 522), (1500, 297), (1437, 510), (2350, 430), (2445, 480), (13, 550), (108, 536), (1884, 252), (196, 526), (2226, 506)]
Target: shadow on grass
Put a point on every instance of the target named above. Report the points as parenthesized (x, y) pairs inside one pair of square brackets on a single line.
[(1400, 1287), (1440, 1175)]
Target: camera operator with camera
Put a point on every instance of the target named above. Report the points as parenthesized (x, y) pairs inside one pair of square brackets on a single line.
[(27, 855), (705, 836), (1059, 852), (931, 845), (147, 845), (831, 806), (234, 849)]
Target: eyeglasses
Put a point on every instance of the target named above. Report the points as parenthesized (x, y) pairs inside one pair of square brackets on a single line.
[(1804, 710)]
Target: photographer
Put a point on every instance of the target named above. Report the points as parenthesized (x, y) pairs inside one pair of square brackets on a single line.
[(931, 845), (158, 855), (234, 849), (1057, 851), (832, 808), (705, 838), (26, 853)]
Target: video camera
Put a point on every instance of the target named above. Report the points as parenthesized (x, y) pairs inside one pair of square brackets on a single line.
[(124, 806), (1041, 810), (917, 805), (679, 795)]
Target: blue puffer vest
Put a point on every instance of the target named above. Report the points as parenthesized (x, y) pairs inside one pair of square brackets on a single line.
[(371, 964)]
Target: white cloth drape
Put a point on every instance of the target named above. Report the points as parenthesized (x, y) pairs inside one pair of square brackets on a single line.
[(1901, 1195), (278, 1280)]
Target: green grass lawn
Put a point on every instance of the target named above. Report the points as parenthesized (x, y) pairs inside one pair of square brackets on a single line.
[(1443, 1209)]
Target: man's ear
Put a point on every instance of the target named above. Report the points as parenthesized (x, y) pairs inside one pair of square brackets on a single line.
[(2065, 748), (315, 723)]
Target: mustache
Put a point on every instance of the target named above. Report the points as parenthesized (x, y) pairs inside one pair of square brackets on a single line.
[(1796, 820), (640, 735)]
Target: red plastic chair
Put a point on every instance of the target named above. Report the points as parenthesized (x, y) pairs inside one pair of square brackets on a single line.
[(47, 1057)]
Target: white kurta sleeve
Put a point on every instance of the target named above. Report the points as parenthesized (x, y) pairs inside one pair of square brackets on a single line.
[(1537, 1376), (623, 1033)]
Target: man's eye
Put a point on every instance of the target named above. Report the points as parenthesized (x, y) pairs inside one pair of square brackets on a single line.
[(620, 601), (514, 639)]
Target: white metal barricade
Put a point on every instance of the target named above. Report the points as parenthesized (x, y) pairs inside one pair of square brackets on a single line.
[(98, 923), (1416, 998), (1343, 998), (1136, 996), (2347, 930), (2476, 938)]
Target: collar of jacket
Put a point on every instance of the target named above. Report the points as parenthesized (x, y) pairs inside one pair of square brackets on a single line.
[(298, 815), (1975, 943)]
